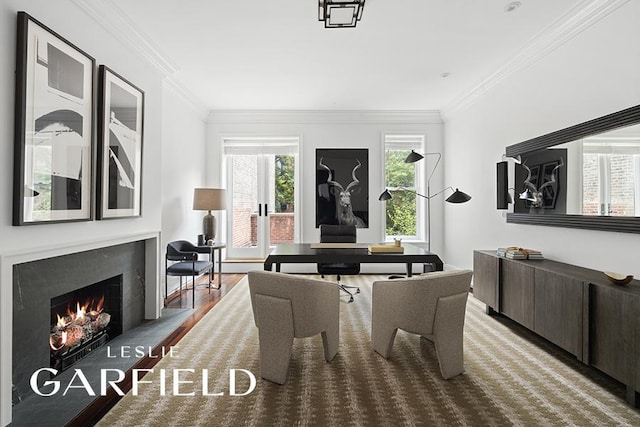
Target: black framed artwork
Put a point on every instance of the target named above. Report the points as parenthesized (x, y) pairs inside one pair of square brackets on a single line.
[(53, 155), (342, 187), (120, 146)]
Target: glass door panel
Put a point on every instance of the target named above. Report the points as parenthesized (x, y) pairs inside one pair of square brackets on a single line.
[(243, 183), (262, 203), (281, 182)]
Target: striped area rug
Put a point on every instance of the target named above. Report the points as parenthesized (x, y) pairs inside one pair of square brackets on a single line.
[(512, 377)]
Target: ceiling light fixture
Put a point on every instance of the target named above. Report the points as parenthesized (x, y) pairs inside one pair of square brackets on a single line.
[(340, 13), (510, 7)]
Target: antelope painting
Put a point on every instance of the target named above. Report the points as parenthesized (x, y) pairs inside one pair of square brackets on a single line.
[(536, 195), (344, 210)]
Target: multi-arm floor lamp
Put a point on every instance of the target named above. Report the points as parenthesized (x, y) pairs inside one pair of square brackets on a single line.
[(457, 196)]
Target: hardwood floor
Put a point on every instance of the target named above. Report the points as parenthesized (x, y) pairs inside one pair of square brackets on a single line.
[(204, 301)]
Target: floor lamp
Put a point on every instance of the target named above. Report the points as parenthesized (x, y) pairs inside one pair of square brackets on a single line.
[(457, 196)]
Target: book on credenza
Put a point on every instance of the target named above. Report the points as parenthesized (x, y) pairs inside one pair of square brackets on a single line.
[(515, 252)]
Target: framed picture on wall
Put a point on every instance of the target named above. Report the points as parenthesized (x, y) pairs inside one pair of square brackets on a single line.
[(53, 153), (120, 119), (342, 187)]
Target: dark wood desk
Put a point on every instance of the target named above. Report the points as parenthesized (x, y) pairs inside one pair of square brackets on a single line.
[(303, 253)]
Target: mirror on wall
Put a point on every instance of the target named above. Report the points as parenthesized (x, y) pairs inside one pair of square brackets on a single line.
[(585, 176)]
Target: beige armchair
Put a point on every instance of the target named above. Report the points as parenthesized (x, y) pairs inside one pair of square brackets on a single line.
[(286, 307), (432, 305)]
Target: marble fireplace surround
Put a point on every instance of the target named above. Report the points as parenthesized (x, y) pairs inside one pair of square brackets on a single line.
[(152, 301)]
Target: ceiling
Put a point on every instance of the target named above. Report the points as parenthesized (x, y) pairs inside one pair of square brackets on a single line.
[(276, 55)]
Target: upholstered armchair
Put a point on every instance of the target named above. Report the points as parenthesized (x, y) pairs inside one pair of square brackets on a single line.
[(431, 305), (285, 307)]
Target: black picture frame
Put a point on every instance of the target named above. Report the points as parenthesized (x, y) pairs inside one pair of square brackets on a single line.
[(341, 199), (54, 128), (120, 141)]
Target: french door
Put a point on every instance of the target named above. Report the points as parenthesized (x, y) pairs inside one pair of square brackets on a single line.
[(261, 177)]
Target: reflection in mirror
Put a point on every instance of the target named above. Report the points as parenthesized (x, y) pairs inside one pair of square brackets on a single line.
[(598, 175)]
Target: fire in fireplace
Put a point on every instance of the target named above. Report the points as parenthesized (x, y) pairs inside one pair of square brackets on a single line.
[(78, 329), (83, 320)]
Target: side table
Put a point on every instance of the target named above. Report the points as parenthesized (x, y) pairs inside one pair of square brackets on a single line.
[(211, 249)]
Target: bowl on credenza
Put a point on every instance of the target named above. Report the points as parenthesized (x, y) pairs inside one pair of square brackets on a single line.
[(617, 278)]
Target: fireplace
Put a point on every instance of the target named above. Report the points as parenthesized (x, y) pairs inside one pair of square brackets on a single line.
[(84, 319), (45, 288)]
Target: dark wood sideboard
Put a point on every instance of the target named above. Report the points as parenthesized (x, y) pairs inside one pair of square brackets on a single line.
[(574, 307)]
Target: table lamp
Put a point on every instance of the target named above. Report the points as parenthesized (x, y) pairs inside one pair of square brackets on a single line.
[(209, 199)]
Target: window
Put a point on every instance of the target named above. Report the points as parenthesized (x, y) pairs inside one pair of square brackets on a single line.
[(611, 178), (405, 211)]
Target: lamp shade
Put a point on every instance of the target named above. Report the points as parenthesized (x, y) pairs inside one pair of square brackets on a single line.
[(413, 157), (385, 196), (458, 197), (209, 199)]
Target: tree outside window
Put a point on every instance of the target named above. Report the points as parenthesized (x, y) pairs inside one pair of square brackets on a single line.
[(284, 175), (401, 211)]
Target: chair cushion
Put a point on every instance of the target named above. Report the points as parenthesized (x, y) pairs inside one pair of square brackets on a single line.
[(185, 268)]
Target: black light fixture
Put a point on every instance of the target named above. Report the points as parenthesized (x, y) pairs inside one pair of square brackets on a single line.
[(340, 13), (457, 196), (414, 157)]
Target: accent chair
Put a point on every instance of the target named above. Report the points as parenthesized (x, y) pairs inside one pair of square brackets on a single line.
[(285, 307), (432, 305)]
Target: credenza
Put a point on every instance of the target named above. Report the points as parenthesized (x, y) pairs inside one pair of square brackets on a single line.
[(576, 308)]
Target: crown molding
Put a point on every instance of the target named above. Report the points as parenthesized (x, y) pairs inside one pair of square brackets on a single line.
[(122, 28), (325, 117), (580, 18), (197, 107)]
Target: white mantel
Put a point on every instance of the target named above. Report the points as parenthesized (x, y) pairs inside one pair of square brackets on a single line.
[(153, 293)]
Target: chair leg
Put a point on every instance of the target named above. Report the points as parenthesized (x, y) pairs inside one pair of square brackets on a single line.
[(330, 342), (344, 289), (382, 337), (275, 334), (448, 334)]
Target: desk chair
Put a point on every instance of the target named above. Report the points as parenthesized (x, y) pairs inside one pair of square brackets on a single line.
[(183, 256), (339, 234), (432, 305)]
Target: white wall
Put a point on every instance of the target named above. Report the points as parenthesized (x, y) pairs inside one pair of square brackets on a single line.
[(183, 168), (172, 165), (174, 135), (593, 74), (71, 23), (332, 129)]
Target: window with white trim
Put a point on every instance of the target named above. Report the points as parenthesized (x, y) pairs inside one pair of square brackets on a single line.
[(405, 212)]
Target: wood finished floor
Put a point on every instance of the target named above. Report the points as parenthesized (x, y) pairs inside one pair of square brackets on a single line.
[(204, 301)]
